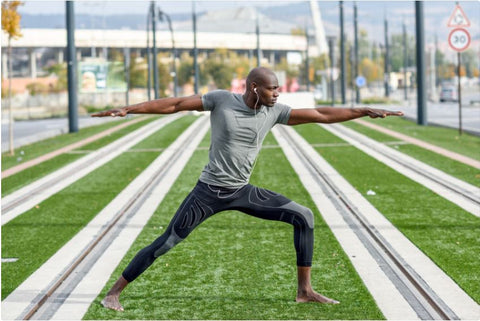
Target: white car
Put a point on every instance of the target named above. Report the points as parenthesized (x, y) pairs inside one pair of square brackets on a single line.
[(449, 93)]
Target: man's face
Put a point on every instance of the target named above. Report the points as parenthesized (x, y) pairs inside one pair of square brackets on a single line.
[(268, 90)]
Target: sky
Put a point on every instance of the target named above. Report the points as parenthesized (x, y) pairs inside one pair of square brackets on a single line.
[(371, 13), (137, 7)]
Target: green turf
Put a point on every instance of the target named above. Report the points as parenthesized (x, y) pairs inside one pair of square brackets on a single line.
[(31, 151), (466, 144), (461, 171), (449, 235), (38, 233), (238, 267), (27, 176)]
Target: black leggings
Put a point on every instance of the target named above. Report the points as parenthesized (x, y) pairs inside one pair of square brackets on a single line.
[(205, 200)]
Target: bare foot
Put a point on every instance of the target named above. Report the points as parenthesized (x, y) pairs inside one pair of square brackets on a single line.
[(111, 302), (315, 297)]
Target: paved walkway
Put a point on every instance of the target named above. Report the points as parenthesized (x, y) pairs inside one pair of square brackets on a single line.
[(455, 156), (43, 158), (30, 131)]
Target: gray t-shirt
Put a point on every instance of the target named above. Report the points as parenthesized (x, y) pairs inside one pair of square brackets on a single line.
[(235, 143)]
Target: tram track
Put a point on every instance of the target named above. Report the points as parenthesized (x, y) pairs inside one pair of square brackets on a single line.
[(408, 276), (109, 226), (29, 196), (455, 190)]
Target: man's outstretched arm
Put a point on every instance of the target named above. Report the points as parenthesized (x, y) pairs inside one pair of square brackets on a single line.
[(335, 115), (158, 106)]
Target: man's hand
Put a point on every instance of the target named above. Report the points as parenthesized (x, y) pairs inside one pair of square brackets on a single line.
[(381, 113), (122, 112)]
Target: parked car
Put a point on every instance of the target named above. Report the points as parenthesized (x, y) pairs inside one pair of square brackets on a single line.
[(449, 93)]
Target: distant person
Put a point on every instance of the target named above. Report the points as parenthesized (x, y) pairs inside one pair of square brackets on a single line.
[(239, 124)]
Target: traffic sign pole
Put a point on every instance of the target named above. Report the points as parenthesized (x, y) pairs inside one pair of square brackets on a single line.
[(459, 95), (459, 40)]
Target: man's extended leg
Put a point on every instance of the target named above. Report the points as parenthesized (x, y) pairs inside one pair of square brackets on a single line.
[(196, 208), (305, 292), (111, 300)]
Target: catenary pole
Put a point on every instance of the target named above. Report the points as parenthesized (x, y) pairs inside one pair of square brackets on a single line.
[(420, 34), (355, 27), (342, 57), (195, 49), (154, 45), (71, 70)]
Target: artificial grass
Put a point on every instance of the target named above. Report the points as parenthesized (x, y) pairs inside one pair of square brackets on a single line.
[(443, 231), (236, 267), (25, 177), (38, 233), (457, 169), (448, 138), (31, 151)]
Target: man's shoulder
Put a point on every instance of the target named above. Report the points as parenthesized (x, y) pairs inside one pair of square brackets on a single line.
[(220, 93)]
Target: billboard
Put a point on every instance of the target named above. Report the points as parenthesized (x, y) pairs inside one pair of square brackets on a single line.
[(101, 77)]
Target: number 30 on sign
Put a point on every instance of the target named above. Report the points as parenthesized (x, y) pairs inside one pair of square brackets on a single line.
[(459, 39)]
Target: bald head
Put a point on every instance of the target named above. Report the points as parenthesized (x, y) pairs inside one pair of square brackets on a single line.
[(262, 88), (259, 76)]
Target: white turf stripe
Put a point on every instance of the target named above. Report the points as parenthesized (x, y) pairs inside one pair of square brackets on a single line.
[(107, 153), (78, 302), (433, 186), (389, 300), (460, 302)]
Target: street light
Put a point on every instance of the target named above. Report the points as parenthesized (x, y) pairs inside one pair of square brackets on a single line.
[(161, 16)]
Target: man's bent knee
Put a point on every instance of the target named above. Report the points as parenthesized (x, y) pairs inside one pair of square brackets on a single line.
[(304, 212)]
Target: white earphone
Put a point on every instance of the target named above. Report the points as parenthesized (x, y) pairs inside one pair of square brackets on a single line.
[(255, 90)]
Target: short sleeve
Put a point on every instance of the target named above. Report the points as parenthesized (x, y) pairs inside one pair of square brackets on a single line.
[(283, 112), (210, 99)]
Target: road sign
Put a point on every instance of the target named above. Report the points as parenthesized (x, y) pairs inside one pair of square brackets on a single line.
[(458, 18), (459, 39), (360, 81)]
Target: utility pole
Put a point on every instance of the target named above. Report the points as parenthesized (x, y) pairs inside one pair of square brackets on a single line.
[(126, 54), (195, 49), (149, 58), (155, 67), (386, 76), (174, 51), (72, 67), (342, 56), (257, 31), (331, 47), (405, 60), (355, 27), (420, 34), (307, 61)]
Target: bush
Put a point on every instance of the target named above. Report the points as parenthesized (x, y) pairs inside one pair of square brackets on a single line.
[(327, 102), (378, 100), (36, 88)]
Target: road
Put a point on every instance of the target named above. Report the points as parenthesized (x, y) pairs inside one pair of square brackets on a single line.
[(29, 131)]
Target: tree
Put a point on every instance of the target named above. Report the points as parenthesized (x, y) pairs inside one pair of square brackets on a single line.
[(60, 70), (397, 51), (11, 26), (219, 67)]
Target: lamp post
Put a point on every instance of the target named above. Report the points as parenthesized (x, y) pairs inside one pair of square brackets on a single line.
[(331, 49), (161, 15)]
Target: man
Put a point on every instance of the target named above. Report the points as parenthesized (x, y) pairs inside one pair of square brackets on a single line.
[(239, 123)]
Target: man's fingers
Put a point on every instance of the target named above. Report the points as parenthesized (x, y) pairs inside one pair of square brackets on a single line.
[(394, 113), (112, 113)]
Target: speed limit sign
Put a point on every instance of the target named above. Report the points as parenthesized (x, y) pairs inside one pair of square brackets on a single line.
[(459, 39)]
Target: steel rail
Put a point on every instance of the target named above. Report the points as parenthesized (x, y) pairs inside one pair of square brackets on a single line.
[(98, 157), (427, 303), (459, 191), (134, 202)]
